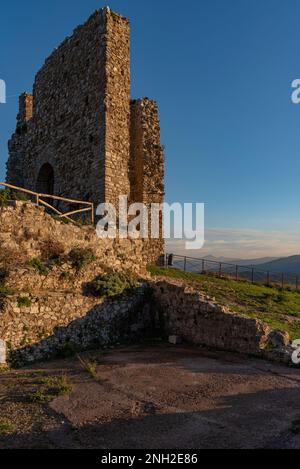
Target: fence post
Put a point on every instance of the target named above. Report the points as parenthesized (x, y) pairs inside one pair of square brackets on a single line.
[(268, 279), (203, 266), (220, 269), (282, 280), (252, 275), (297, 283), (185, 264), (237, 272)]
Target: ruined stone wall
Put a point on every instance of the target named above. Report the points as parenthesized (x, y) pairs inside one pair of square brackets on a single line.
[(117, 102), (78, 136), (147, 166), (197, 319), (80, 118), (18, 143), (25, 228), (56, 321), (147, 155)]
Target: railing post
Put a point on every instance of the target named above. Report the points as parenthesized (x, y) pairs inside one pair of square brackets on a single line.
[(93, 215)]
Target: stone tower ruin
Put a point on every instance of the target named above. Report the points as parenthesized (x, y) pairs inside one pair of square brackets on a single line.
[(78, 134)]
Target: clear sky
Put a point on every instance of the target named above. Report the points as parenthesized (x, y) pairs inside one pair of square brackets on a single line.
[(221, 72)]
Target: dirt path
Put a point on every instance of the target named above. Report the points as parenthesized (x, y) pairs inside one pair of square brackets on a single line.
[(154, 397)]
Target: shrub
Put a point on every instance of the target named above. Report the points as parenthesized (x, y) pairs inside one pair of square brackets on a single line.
[(24, 301), (7, 194), (51, 250), (39, 266), (4, 197), (69, 350), (81, 257), (3, 274), (113, 284), (21, 196), (4, 291)]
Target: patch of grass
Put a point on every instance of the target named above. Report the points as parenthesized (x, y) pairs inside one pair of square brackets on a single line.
[(65, 276), (81, 257), (33, 374), (5, 291), (39, 266), (90, 366), (6, 427), (113, 284), (24, 301), (51, 388), (60, 219), (277, 308)]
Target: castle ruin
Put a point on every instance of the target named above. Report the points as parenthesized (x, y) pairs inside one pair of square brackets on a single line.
[(79, 135)]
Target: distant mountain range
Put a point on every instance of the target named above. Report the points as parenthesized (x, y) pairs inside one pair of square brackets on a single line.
[(289, 265), (246, 262)]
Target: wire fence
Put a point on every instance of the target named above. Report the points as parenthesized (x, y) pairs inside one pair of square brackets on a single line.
[(233, 271)]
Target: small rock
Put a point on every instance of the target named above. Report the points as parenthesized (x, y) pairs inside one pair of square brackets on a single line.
[(143, 408), (175, 340), (279, 338)]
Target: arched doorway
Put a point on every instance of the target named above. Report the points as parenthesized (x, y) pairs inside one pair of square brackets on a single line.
[(45, 180)]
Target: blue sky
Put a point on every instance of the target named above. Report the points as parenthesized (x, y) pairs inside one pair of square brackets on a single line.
[(221, 72)]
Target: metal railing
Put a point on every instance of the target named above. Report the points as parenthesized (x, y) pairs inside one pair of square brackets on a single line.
[(233, 271), (38, 198)]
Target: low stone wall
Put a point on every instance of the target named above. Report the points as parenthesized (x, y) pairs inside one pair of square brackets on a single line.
[(198, 320), (54, 321)]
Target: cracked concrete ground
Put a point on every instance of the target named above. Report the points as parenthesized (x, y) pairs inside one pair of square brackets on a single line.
[(155, 397)]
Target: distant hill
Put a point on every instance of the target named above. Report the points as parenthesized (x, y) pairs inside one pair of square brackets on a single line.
[(289, 265), (246, 262)]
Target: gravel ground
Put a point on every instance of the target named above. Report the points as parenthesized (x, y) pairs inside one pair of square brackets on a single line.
[(151, 397)]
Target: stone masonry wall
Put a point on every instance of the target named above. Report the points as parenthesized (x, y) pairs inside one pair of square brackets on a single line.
[(117, 107), (196, 319), (26, 228), (55, 321), (78, 136), (147, 155), (147, 166), (17, 144), (80, 113)]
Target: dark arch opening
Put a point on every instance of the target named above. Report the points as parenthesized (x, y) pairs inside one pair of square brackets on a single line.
[(45, 180)]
